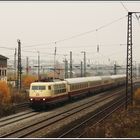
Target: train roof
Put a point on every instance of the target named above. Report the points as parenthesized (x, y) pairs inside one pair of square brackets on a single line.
[(76, 80), (94, 78), (48, 83), (82, 79), (106, 77), (118, 76)]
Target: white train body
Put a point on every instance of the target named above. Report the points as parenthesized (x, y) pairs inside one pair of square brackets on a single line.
[(48, 92), (52, 92)]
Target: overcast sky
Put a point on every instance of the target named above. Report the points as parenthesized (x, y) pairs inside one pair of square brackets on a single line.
[(37, 23)]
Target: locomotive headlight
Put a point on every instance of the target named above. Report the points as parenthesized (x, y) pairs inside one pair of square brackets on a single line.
[(43, 99), (31, 99)]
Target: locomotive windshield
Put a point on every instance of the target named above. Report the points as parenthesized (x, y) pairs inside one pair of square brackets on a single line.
[(38, 88)]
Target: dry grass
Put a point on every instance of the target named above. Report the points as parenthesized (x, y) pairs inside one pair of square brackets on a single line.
[(119, 125), (122, 124), (137, 97)]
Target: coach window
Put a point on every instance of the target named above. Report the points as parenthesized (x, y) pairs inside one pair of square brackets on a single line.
[(49, 87), (1, 72)]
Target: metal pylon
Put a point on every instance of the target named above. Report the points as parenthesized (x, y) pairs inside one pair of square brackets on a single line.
[(129, 66)]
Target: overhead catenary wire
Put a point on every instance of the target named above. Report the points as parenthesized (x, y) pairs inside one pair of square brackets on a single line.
[(124, 7), (7, 48), (61, 54), (80, 34), (132, 15), (41, 52), (88, 45)]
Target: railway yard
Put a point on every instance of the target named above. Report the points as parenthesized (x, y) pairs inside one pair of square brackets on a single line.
[(71, 72), (65, 121)]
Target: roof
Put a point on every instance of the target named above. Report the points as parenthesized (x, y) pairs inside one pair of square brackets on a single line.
[(95, 78), (82, 79), (76, 80), (48, 83), (118, 76), (3, 57), (106, 77)]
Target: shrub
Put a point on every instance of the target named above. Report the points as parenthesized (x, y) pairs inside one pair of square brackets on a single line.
[(19, 98), (27, 80), (4, 93), (137, 96), (6, 109)]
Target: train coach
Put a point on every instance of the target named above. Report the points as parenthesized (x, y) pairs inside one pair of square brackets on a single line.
[(53, 92)]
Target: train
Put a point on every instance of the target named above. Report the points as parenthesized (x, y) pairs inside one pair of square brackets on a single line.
[(47, 93)]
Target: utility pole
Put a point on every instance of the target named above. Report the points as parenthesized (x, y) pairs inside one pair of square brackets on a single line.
[(27, 66), (129, 66), (54, 62), (66, 68), (84, 63), (15, 65), (71, 74), (98, 48), (129, 78), (139, 70), (38, 66), (81, 69), (19, 72), (43, 70), (115, 68)]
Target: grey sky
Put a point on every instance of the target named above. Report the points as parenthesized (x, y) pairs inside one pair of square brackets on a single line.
[(44, 22)]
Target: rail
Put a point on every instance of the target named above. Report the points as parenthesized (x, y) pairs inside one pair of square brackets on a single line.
[(118, 104), (26, 131)]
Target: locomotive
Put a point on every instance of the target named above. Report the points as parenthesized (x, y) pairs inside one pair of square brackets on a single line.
[(47, 93)]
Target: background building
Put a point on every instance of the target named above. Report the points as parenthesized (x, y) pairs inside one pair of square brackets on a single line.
[(3, 68)]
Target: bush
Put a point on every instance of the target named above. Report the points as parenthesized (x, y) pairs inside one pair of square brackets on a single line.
[(19, 97), (27, 80), (6, 109), (4, 93), (137, 96)]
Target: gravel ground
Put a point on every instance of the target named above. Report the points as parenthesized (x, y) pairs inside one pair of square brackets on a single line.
[(45, 115), (67, 121)]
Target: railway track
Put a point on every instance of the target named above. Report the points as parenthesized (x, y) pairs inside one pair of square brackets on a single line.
[(77, 130), (21, 107), (17, 108), (17, 117), (32, 128)]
